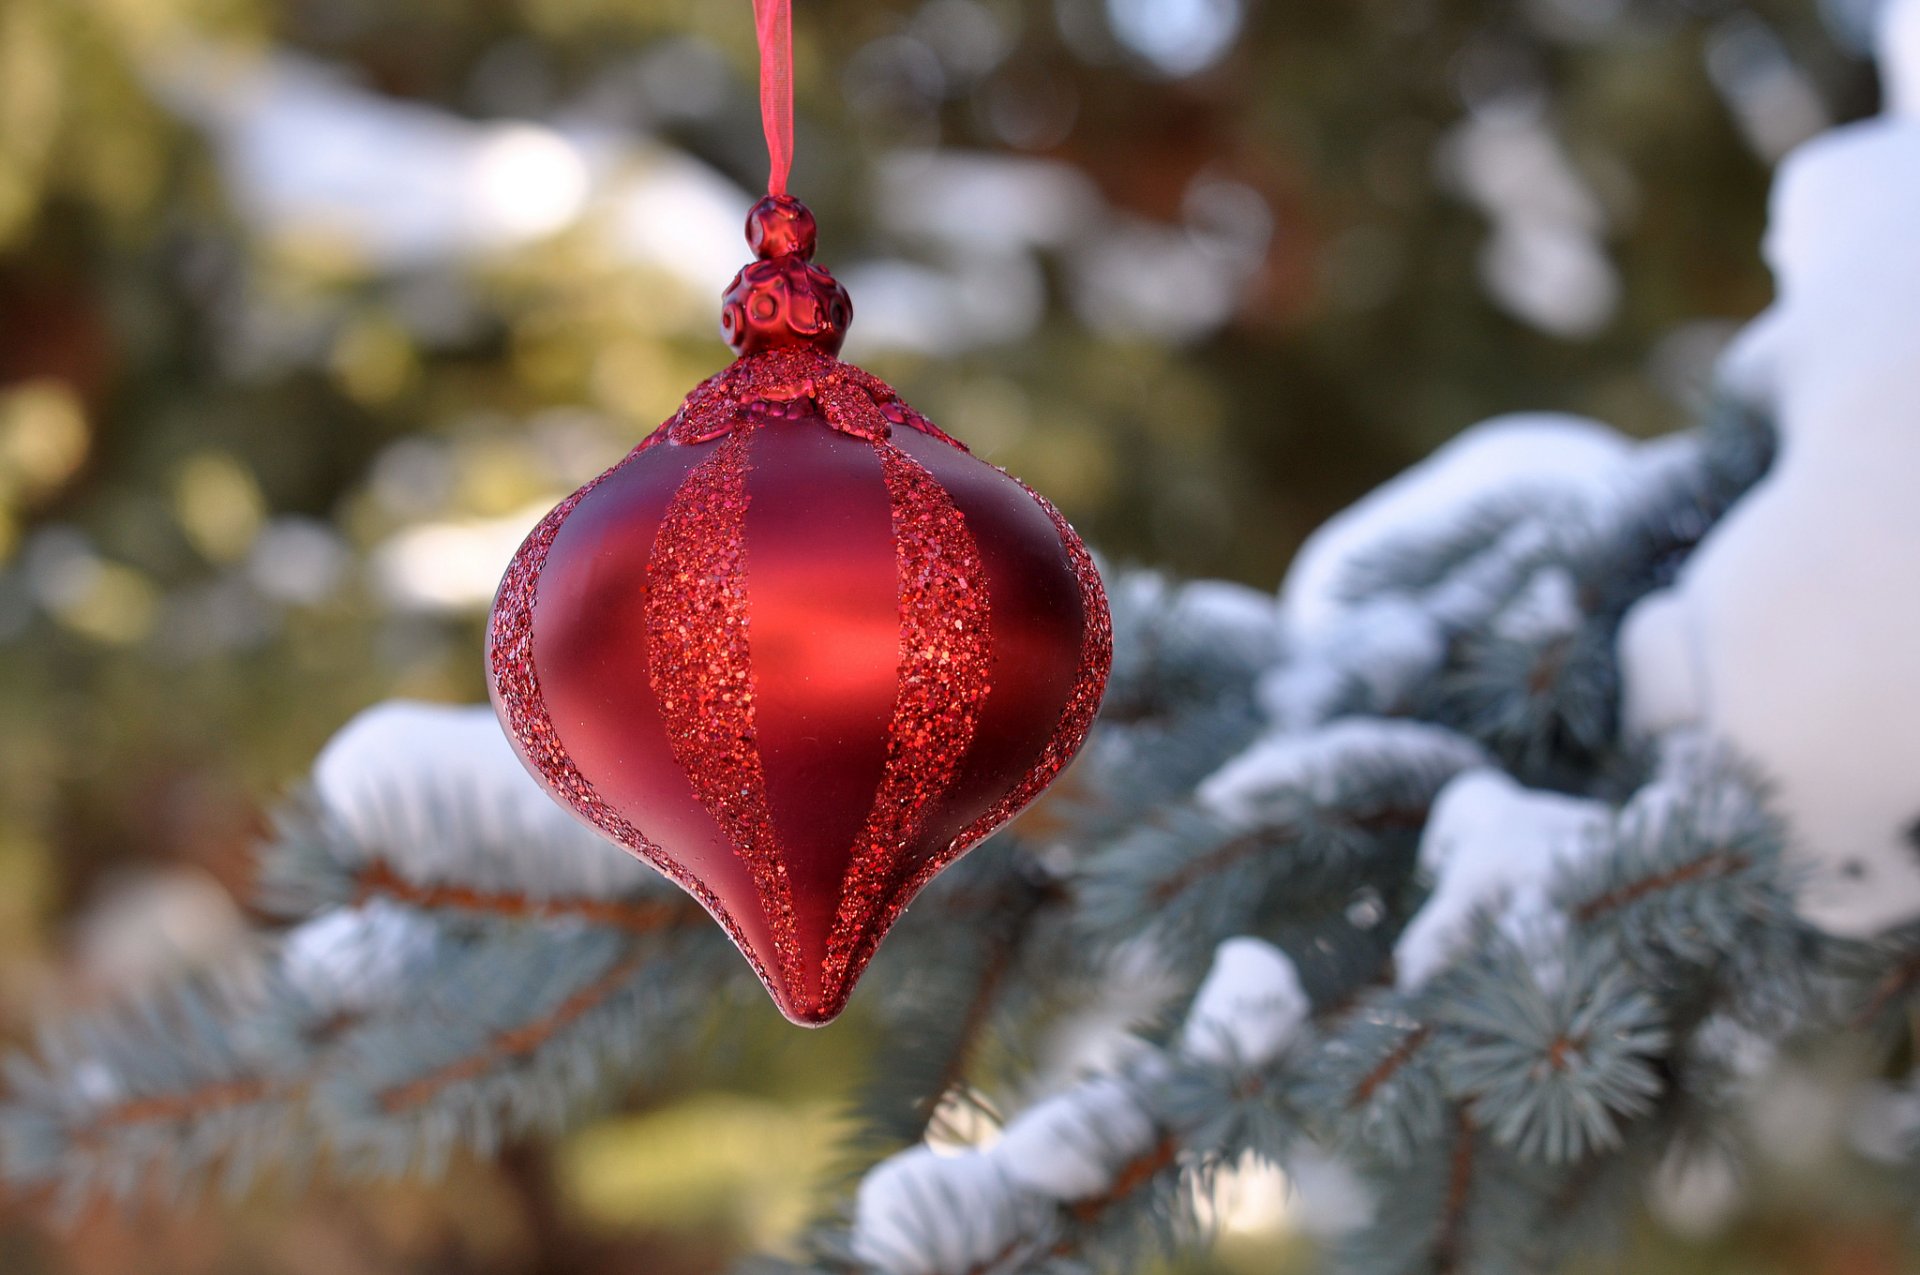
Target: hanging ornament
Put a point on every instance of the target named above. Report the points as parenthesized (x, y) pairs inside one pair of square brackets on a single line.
[(799, 650)]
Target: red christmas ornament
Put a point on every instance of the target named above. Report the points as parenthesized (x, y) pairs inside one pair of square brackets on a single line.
[(799, 650)]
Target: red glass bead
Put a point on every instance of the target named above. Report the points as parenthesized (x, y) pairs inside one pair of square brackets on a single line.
[(780, 226), (783, 300)]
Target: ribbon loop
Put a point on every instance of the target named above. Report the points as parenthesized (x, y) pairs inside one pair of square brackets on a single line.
[(773, 21)]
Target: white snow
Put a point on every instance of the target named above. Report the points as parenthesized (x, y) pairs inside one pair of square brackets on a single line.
[(1101, 1036), (1172, 284), (1465, 599), (1330, 1199), (453, 566), (1666, 683), (1556, 277), (439, 792), (1696, 1190), (1503, 457), (298, 560), (353, 959), (1178, 40), (1770, 97), (1697, 782), (1749, 370), (1492, 846), (309, 153), (1282, 763), (1228, 613), (1073, 1145), (1384, 644), (1791, 633), (922, 1213), (149, 927), (312, 156), (984, 203), (1900, 56), (908, 306), (1547, 606), (97, 1083), (1249, 1008)]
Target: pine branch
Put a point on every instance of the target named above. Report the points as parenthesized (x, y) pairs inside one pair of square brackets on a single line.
[(174, 1087), (1708, 866), (1003, 952), (1287, 831), (1135, 1175), (183, 1106), (1553, 1062), (378, 879), (1374, 1087), (1449, 1246), (1693, 888), (1389, 1067), (1343, 825), (959, 969), (517, 1043)]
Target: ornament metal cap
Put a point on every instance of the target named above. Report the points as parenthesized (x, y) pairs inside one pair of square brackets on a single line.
[(783, 299)]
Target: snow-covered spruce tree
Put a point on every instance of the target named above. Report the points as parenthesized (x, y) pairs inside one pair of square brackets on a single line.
[(1476, 875)]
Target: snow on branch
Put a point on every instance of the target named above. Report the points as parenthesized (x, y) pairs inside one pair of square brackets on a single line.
[(471, 964), (426, 804), (1312, 814), (1492, 848), (1063, 1165)]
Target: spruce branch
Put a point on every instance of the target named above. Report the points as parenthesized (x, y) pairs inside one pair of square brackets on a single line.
[(1290, 824), (379, 879), (1552, 1063), (171, 1088), (1694, 889), (1374, 1088), (959, 966)]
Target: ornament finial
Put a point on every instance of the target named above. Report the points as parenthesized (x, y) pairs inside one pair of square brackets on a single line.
[(780, 226), (783, 299)]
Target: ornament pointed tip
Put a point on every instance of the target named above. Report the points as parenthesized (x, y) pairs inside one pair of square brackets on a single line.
[(809, 1018), (816, 1012)]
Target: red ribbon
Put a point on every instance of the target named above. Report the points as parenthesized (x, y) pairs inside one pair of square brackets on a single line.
[(774, 21)]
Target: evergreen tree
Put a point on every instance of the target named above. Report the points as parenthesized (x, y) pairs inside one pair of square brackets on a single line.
[(1417, 883)]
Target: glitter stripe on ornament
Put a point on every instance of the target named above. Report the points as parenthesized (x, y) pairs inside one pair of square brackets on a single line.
[(823, 594), (943, 678), (700, 668), (1076, 718), (517, 697)]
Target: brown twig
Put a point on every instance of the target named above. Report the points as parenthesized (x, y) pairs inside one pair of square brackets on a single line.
[(972, 1020), (1133, 1175), (1717, 864), (217, 1095), (183, 1105), (1894, 984), (1010, 938), (516, 1042), (1548, 666), (1450, 1245), (1392, 819), (378, 879), (1390, 1066)]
